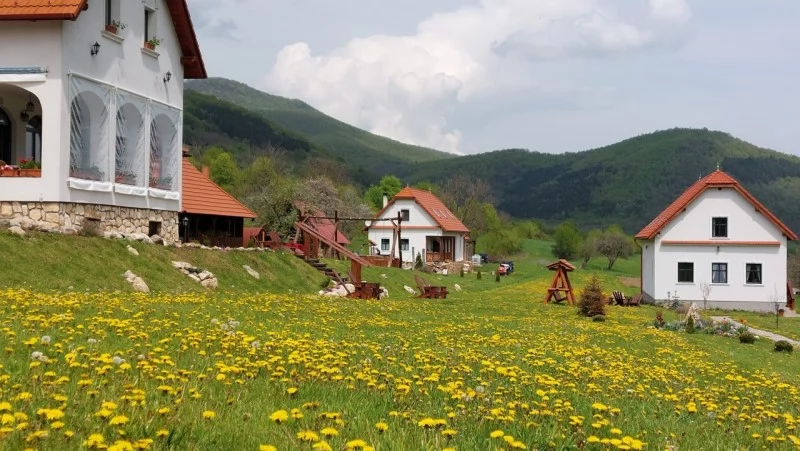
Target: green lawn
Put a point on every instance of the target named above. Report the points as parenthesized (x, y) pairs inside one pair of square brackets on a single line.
[(788, 327)]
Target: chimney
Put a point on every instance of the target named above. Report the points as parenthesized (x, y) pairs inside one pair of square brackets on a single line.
[(385, 200), (207, 171)]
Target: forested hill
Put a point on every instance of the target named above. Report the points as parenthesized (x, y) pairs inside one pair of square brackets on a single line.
[(629, 182), (356, 147)]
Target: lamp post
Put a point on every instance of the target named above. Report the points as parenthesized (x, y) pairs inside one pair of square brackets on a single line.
[(95, 48), (185, 222)]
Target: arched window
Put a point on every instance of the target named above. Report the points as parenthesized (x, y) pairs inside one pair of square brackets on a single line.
[(129, 161), (163, 133), (88, 153), (5, 137), (33, 139)]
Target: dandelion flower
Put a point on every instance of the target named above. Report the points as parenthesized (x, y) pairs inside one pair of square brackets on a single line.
[(291, 390), (449, 433), (209, 414), (119, 419), (279, 416), (329, 432), (162, 433), (496, 434), (381, 427), (307, 436), (322, 446)]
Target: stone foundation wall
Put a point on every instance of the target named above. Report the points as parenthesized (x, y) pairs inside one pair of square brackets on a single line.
[(69, 216)]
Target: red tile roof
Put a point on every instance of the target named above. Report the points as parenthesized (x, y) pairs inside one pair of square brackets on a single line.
[(433, 206), (716, 179), (191, 59), (41, 9), (325, 228), (203, 197)]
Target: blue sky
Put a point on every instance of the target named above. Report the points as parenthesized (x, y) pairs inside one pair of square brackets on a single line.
[(547, 75)]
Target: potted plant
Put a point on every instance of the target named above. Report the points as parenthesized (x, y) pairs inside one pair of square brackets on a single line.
[(7, 170), (30, 168), (92, 173), (152, 43), (161, 183), (126, 178), (115, 26)]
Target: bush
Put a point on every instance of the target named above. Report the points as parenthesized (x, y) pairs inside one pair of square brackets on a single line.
[(747, 337), (690, 325), (592, 302), (418, 261), (497, 276), (783, 346), (599, 318), (462, 272), (479, 274)]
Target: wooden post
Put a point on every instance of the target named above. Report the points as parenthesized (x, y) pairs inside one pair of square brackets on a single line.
[(399, 227)]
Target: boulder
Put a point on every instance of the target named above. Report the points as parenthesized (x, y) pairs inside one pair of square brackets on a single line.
[(205, 275), (457, 287), (410, 290), (210, 283), (137, 282), (17, 230), (157, 239), (251, 271), (133, 251)]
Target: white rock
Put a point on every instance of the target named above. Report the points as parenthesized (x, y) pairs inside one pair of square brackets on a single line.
[(384, 276), (210, 283), (384, 293), (137, 282), (133, 251), (180, 265), (409, 289), (157, 239), (17, 230), (205, 275), (457, 287), (251, 271), (194, 277)]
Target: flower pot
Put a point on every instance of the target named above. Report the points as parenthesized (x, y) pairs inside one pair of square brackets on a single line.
[(111, 29), (780, 312), (30, 172), (150, 46), (9, 172)]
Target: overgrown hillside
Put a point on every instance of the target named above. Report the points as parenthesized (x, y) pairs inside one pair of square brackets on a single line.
[(359, 148), (626, 183)]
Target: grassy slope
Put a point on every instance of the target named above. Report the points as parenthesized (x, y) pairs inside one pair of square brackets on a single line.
[(53, 262), (356, 146)]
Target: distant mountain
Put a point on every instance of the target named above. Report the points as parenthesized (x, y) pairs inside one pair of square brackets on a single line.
[(354, 146), (629, 182), (210, 121)]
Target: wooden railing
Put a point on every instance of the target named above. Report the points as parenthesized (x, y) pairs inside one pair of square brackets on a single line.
[(438, 256)]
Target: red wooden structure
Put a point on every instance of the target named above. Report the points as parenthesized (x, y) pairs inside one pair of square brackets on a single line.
[(561, 288)]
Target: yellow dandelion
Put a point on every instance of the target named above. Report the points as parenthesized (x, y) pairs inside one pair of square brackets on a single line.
[(497, 434), (209, 414), (162, 433), (321, 446), (329, 432), (381, 427), (279, 416), (291, 390), (267, 448), (308, 436), (117, 420)]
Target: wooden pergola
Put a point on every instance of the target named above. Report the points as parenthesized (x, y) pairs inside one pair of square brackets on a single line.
[(560, 289)]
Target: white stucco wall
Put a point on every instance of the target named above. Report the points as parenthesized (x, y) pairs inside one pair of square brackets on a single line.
[(120, 63), (417, 217), (34, 44), (416, 241), (744, 224)]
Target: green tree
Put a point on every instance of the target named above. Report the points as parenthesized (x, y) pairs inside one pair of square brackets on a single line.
[(567, 239), (591, 302), (588, 247), (389, 185), (224, 171), (613, 244)]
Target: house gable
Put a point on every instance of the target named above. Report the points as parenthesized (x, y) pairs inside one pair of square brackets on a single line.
[(716, 195), (430, 211)]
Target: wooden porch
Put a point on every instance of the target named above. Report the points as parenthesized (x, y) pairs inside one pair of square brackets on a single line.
[(440, 248)]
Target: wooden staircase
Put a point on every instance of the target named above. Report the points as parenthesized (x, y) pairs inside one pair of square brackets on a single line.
[(321, 267), (311, 239)]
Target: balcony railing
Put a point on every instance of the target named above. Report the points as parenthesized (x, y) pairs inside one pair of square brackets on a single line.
[(431, 257)]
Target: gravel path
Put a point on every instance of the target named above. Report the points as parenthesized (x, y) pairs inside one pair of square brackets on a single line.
[(761, 333)]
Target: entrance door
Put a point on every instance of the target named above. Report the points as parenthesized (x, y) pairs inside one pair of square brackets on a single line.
[(5, 137)]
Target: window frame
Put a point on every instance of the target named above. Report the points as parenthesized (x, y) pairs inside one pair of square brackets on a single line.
[(720, 271), (681, 271), (149, 22), (385, 244), (405, 244), (714, 226), (405, 214), (760, 274)]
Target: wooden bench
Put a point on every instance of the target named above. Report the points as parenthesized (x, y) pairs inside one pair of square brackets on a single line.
[(429, 291)]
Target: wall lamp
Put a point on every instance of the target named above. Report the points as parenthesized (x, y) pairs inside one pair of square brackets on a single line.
[(167, 77), (95, 48)]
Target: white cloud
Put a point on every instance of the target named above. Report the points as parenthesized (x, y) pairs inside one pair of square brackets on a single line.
[(405, 87)]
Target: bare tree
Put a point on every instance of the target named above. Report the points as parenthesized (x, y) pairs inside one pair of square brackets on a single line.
[(776, 299), (613, 246), (705, 290), (465, 197)]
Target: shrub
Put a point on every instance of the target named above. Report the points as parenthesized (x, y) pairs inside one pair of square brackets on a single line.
[(90, 227), (747, 337), (479, 274), (418, 262), (690, 325), (592, 302), (599, 318), (659, 322), (783, 346), (497, 276), (462, 272)]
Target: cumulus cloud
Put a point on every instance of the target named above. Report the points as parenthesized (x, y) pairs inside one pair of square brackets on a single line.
[(405, 87)]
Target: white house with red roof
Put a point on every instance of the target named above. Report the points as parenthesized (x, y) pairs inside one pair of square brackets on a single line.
[(91, 112), (428, 228), (716, 235)]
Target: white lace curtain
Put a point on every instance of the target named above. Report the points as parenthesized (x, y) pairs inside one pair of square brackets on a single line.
[(138, 121)]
